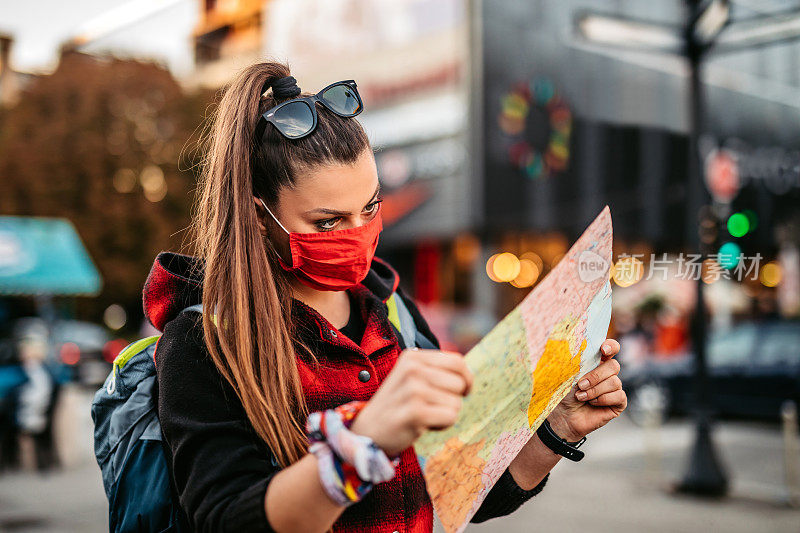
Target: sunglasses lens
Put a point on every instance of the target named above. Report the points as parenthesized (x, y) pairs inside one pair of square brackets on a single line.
[(294, 119), (343, 99)]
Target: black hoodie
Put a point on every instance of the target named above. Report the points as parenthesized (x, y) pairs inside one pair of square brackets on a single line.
[(220, 467)]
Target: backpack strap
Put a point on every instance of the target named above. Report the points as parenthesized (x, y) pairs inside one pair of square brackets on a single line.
[(124, 356), (401, 319), (403, 323)]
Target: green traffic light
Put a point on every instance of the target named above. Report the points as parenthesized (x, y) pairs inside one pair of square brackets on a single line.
[(728, 255), (738, 225), (752, 218)]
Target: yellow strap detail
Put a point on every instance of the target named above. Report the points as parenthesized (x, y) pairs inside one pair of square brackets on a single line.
[(394, 318), (134, 348)]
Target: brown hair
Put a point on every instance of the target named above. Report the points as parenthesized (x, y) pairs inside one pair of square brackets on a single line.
[(251, 342)]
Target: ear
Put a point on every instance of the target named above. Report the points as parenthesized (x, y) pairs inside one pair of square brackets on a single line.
[(260, 216)]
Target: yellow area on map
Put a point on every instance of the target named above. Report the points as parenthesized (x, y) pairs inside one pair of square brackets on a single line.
[(556, 367), (523, 368)]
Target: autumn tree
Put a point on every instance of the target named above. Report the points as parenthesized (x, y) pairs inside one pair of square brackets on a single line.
[(100, 142)]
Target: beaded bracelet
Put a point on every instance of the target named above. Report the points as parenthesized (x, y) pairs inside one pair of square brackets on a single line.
[(349, 464)]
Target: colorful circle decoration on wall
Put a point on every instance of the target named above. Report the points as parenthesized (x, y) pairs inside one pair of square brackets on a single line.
[(517, 106)]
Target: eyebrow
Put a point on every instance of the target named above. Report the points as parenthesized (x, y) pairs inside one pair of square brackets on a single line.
[(335, 212)]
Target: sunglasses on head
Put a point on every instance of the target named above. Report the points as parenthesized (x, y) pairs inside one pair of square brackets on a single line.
[(297, 118)]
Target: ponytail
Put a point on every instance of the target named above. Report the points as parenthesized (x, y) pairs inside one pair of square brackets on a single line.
[(251, 342)]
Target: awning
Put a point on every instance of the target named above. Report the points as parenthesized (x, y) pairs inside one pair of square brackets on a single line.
[(44, 256)]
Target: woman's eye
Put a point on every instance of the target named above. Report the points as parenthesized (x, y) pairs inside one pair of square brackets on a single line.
[(370, 208), (327, 224)]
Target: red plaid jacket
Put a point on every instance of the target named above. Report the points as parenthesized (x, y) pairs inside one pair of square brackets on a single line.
[(220, 467)]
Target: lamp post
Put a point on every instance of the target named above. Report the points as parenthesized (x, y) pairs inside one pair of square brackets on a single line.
[(703, 33), (704, 474)]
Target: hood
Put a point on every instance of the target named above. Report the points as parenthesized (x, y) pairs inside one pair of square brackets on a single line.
[(175, 282)]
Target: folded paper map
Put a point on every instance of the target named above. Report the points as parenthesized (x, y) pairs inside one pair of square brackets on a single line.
[(523, 368)]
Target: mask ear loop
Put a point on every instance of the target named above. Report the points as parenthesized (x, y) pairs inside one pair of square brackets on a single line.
[(273, 216), (272, 246)]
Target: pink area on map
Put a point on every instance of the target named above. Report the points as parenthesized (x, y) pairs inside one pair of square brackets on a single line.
[(569, 293), (508, 445)]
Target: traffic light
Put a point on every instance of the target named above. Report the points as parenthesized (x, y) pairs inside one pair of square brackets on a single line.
[(739, 225), (728, 255)]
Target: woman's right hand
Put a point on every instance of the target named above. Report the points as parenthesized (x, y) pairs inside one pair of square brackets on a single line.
[(423, 391)]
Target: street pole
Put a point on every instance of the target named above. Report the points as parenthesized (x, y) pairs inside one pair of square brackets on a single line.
[(704, 474), (704, 30)]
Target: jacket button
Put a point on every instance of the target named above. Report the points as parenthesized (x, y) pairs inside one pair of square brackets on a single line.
[(364, 376)]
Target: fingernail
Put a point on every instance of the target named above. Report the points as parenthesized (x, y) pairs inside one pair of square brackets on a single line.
[(581, 395), (584, 384), (606, 349)]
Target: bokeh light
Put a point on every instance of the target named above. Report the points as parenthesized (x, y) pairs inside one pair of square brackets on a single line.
[(536, 258), (711, 271), (490, 267), (124, 180), (115, 316), (752, 218), (627, 271), (738, 224), (729, 255), (466, 249), (505, 267), (153, 183), (708, 230), (771, 274), (528, 274), (70, 353)]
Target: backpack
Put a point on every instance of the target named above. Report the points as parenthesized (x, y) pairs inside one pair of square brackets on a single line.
[(128, 443)]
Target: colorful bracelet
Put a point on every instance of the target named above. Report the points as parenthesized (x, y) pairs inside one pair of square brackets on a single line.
[(349, 464)]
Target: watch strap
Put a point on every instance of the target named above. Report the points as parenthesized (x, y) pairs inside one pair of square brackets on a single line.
[(560, 446)]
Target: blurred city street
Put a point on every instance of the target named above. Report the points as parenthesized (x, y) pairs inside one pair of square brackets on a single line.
[(70, 499), (143, 144), (621, 486)]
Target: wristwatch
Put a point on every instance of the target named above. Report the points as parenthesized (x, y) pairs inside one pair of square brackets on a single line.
[(560, 446)]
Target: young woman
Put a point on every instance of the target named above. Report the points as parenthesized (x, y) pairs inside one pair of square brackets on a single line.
[(295, 344)]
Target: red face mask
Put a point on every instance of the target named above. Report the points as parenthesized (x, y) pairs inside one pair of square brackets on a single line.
[(332, 260)]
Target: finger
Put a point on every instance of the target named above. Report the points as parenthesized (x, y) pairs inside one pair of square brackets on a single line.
[(617, 399), (610, 384), (604, 370), (442, 398), (609, 348), (451, 361), (436, 416), (445, 380)]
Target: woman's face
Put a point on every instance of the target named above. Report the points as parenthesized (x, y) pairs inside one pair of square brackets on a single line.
[(325, 199)]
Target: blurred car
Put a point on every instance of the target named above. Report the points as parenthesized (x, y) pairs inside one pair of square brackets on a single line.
[(86, 350), (752, 369)]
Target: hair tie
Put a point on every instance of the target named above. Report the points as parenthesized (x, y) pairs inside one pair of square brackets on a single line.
[(349, 464), (282, 88)]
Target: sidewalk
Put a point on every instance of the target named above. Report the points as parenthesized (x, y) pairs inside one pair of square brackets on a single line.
[(616, 488), (69, 500)]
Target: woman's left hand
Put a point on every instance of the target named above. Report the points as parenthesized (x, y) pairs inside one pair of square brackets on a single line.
[(596, 399)]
